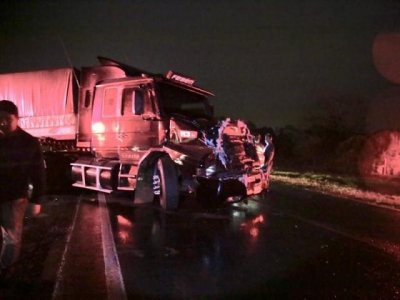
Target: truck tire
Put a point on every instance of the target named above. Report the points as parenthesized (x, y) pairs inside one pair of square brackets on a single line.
[(165, 183)]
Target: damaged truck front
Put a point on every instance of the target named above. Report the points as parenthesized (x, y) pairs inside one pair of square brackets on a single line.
[(130, 130), (220, 160)]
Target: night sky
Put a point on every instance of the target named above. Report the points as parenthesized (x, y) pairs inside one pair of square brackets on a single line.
[(268, 62)]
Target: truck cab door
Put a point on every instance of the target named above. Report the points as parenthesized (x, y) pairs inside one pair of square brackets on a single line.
[(124, 118), (139, 122)]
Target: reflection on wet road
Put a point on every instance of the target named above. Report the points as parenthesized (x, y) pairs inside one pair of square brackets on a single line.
[(287, 244), (191, 252), (264, 248)]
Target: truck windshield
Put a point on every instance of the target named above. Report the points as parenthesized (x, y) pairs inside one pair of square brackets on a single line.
[(175, 100)]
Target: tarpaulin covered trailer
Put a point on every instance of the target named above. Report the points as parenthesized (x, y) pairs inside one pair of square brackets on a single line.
[(45, 101)]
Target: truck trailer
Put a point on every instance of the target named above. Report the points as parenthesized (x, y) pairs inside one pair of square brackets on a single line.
[(121, 128)]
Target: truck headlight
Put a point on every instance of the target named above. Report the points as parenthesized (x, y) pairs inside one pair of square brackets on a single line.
[(211, 170)]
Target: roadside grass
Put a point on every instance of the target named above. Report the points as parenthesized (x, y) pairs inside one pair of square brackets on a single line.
[(385, 192)]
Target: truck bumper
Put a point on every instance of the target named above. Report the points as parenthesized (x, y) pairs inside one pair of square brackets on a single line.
[(231, 187)]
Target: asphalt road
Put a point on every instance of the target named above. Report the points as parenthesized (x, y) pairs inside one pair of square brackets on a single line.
[(287, 244)]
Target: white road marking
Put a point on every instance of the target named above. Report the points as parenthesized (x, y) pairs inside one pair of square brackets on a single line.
[(59, 277), (114, 279)]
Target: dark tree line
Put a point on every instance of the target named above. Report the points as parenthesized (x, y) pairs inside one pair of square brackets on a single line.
[(334, 141), (318, 148)]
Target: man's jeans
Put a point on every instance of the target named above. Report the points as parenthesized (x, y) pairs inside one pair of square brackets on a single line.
[(11, 220)]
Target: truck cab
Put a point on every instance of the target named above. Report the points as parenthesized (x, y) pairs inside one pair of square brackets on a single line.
[(156, 135)]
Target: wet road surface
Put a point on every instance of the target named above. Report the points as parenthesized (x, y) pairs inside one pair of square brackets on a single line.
[(287, 244)]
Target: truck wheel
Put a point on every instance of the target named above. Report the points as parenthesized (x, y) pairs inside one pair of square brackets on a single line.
[(165, 183)]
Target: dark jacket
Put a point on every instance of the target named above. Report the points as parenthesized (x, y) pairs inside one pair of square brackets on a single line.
[(21, 163)]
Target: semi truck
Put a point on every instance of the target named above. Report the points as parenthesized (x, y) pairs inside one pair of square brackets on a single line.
[(121, 128)]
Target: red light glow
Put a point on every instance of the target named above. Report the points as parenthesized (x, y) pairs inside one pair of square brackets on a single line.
[(254, 232), (124, 229), (252, 226), (385, 52), (259, 219), (98, 127), (122, 221)]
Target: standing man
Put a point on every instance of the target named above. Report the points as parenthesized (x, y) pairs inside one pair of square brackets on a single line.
[(259, 148), (21, 168), (269, 153)]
